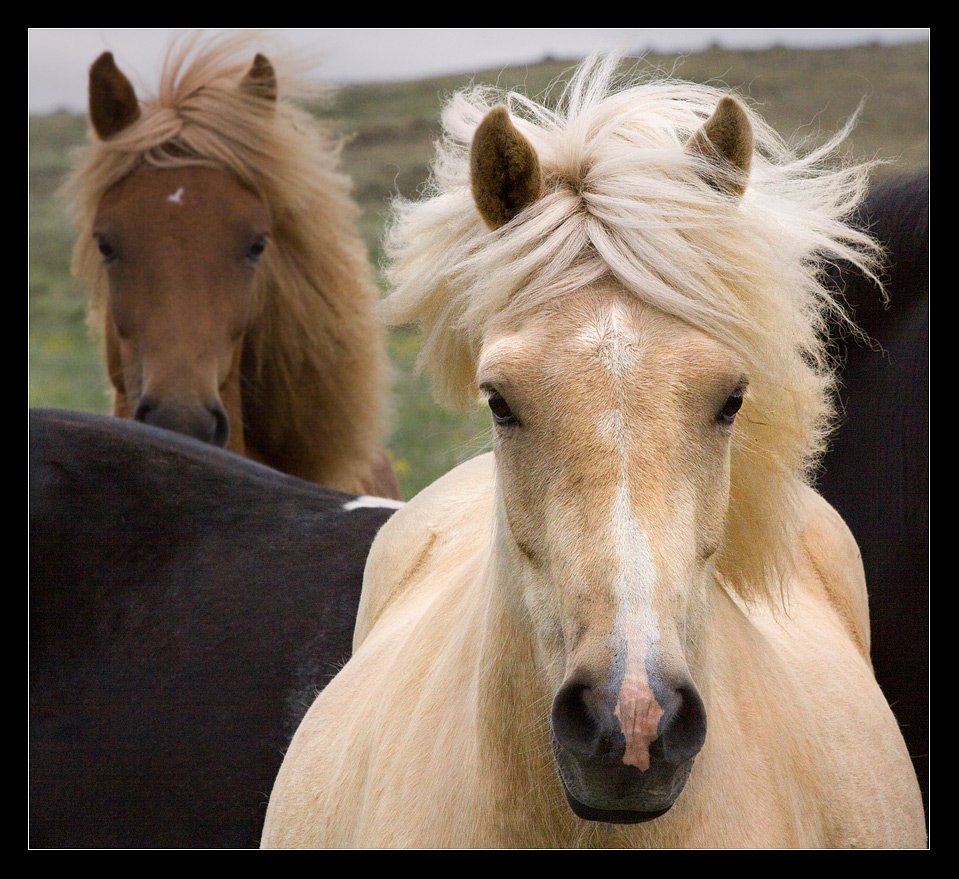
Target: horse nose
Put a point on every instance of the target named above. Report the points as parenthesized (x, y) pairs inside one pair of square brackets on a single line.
[(589, 721), (582, 717), (682, 730), (207, 423), (144, 410), (221, 431)]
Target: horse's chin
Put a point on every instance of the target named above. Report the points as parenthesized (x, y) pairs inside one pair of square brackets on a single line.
[(606, 790), (611, 816)]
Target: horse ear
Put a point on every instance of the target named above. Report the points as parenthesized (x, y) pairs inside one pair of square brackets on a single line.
[(113, 102), (504, 169), (726, 139), (260, 79)]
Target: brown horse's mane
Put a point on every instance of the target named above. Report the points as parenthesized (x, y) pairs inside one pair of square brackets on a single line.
[(315, 372)]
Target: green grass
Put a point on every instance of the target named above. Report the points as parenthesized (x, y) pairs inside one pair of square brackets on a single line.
[(427, 439), (805, 95)]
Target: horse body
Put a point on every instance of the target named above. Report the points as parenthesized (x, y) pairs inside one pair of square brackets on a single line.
[(437, 734), (186, 605), (641, 627), (228, 278)]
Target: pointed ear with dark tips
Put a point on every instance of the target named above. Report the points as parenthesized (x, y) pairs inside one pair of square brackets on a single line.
[(726, 139), (504, 169), (260, 79), (113, 103)]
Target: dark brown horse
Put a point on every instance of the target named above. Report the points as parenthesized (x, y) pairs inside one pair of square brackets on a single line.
[(186, 605), (228, 279)]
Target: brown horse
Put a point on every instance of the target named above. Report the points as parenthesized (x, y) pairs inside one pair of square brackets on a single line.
[(228, 279)]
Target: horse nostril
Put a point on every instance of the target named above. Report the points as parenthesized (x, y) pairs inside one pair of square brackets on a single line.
[(574, 724), (205, 422), (684, 733), (144, 408), (221, 429)]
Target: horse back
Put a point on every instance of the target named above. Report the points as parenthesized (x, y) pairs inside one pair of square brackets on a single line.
[(186, 605)]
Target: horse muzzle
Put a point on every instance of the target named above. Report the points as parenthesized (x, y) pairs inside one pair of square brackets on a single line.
[(207, 423), (625, 765)]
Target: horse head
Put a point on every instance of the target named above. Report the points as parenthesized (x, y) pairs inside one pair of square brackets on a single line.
[(613, 425), (181, 248)]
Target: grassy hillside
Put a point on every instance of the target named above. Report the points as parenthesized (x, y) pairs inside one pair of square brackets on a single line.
[(805, 95)]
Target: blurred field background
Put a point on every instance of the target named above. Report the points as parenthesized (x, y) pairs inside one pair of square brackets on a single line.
[(805, 94)]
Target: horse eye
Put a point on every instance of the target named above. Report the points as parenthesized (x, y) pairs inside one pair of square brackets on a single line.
[(502, 414), (727, 415), (107, 251), (255, 250)]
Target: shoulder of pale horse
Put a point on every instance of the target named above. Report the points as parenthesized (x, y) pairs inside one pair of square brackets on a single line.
[(440, 524), (836, 563)]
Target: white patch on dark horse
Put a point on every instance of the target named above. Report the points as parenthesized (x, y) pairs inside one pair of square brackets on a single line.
[(365, 500)]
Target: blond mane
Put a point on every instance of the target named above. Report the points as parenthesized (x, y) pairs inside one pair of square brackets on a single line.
[(315, 294), (625, 201)]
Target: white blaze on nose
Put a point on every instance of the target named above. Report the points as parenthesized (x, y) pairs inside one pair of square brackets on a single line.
[(635, 628), (176, 197), (613, 340)]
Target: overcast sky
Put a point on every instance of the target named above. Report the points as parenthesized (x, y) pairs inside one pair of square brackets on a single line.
[(58, 58)]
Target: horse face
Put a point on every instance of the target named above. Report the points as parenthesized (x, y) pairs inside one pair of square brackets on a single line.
[(613, 425), (181, 248)]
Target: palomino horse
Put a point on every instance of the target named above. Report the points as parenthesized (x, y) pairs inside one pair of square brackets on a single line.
[(186, 605), (632, 624), (233, 291)]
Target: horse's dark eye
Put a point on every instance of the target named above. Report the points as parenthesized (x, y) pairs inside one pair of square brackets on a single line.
[(734, 402), (502, 414), (255, 250), (107, 251)]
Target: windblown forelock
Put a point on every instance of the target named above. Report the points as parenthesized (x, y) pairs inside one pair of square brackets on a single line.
[(625, 200)]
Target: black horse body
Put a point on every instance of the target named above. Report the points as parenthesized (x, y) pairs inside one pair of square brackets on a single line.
[(186, 605), (877, 472)]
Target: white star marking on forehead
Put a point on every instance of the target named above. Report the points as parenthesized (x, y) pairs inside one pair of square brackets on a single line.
[(613, 339), (176, 197)]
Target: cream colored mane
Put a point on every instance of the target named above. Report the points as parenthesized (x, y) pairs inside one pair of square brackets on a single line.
[(316, 283), (624, 200)]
